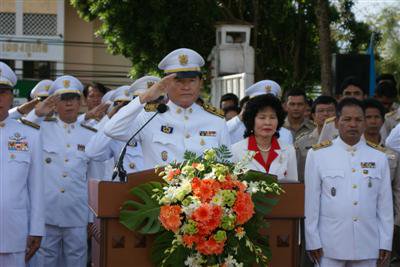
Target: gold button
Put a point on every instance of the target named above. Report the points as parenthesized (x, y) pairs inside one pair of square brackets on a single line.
[(190, 110), (355, 219), (132, 165), (354, 186), (187, 136), (68, 145), (353, 170), (62, 190), (65, 126), (355, 203), (64, 174), (178, 110)]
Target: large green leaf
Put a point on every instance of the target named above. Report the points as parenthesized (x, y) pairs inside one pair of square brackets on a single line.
[(142, 215), (162, 243)]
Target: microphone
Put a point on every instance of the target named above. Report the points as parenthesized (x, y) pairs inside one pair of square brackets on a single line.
[(119, 166)]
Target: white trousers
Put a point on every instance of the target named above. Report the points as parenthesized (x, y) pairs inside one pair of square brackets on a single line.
[(328, 262), (63, 247), (12, 259)]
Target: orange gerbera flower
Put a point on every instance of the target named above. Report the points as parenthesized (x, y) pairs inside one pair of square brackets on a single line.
[(205, 189), (170, 217), (173, 173), (190, 240), (210, 246), (203, 213), (243, 207)]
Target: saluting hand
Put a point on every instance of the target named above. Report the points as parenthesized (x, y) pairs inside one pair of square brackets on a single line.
[(384, 255), (25, 108), (158, 89), (32, 245), (315, 255), (98, 112), (115, 109), (47, 106)]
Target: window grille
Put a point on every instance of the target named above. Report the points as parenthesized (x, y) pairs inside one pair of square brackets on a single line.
[(40, 24), (7, 23)]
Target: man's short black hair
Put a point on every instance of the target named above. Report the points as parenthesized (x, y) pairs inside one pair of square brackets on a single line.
[(99, 86), (348, 102), (228, 97), (373, 103), (323, 99), (386, 88), (231, 108), (351, 80), (386, 77), (295, 92)]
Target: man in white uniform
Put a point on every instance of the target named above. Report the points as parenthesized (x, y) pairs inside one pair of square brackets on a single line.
[(185, 126), (65, 163), (21, 182), (348, 200)]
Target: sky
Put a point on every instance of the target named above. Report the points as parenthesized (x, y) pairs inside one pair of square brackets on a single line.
[(363, 8)]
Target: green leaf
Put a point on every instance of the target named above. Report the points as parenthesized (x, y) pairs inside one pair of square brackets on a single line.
[(142, 215), (163, 242)]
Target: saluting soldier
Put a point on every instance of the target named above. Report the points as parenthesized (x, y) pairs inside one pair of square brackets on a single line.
[(21, 182), (66, 182), (184, 126), (348, 205), (323, 107)]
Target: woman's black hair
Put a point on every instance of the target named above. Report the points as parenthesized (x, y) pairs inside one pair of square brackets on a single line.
[(257, 104)]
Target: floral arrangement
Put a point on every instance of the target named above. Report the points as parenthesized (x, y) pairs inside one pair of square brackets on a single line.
[(208, 212)]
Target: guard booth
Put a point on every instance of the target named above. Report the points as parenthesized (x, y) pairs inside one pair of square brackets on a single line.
[(232, 60)]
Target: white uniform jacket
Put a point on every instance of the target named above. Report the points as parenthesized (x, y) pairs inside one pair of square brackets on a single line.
[(348, 201), (21, 185), (100, 144), (236, 131), (66, 172), (170, 134), (284, 166)]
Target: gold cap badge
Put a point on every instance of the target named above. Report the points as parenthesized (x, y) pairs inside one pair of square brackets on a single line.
[(47, 87), (150, 84), (66, 83), (268, 89), (183, 59)]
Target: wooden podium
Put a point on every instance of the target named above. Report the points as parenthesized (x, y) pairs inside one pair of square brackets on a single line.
[(113, 245)]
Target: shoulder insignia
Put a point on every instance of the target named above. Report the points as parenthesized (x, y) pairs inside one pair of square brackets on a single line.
[(322, 145), (89, 127), (29, 123), (50, 119), (151, 107), (376, 146), (331, 119), (389, 114), (213, 110)]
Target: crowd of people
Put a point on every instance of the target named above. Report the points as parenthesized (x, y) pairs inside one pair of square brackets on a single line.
[(344, 149)]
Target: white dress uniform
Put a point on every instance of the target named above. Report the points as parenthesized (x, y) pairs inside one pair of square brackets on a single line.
[(21, 183), (236, 131), (65, 185), (21, 190), (284, 166), (348, 210)]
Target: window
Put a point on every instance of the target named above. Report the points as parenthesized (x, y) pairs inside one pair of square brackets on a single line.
[(235, 37), (38, 69)]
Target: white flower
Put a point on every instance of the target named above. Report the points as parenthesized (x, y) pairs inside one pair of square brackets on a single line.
[(195, 260), (231, 262), (253, 187), (188, 210)]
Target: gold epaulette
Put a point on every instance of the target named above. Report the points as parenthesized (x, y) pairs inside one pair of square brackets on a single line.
[(331, 119), (323, 144), (50, 119), (213, 110), (151, 107), (376, 146), (29, 123), (391, 113), (89, 127)]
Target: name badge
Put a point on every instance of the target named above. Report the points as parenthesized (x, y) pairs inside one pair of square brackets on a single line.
[(208, 133), (167, 129)]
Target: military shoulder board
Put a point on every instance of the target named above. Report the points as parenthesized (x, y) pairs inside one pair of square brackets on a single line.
[(29, 123), (50, 119), (389, 114), (331, 119), (213, 110), (88, 127), (151, 107), (376, 146), (322, 145)]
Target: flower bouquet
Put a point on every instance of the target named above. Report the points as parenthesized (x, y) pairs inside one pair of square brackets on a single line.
[(208, 212)]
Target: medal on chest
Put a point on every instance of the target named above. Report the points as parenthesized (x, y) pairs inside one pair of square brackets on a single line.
[(17, 143)]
